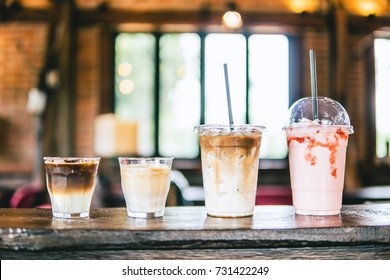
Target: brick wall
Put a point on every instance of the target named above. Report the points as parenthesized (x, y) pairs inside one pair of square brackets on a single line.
[(21, 58), (22, 49), (318, 40), (356, 85), (87, 87)]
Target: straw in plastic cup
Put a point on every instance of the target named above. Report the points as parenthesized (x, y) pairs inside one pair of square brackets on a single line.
[(317, 152), (145, 185), (230, 161), (71, 183), (313, 78), (228, 99)]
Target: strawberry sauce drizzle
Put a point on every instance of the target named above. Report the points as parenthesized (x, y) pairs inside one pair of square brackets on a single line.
[(331, 142)]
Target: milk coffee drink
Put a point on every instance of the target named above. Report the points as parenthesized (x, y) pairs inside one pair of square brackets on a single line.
[(145, 185), (71, 184), (230, 162)]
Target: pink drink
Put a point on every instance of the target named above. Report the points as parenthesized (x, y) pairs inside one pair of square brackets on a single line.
[(317, 150), (317, 163)]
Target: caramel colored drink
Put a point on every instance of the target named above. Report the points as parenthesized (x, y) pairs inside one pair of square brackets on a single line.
[(145, 185), (230, 163), (71, 183)]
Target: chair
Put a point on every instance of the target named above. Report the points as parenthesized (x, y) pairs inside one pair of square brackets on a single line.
[(29, 196), (188, 195), (273, 195)]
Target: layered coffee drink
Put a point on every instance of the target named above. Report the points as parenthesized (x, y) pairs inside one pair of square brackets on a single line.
[(230, 161), (71, 183)]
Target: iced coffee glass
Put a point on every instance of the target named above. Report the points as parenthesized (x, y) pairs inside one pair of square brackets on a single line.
[(230, 164), (145, 185), (71, 183), (317, 151)]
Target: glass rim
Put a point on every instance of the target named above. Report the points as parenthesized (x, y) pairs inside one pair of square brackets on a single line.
[(334, 126), (72, 160), (223, 126), (146, 158), (123, 161)]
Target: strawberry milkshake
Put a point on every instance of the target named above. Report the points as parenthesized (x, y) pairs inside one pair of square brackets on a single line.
[(317, 153)]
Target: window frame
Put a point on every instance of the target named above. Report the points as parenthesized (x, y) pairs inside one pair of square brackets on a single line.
[(107, 104), (373, 170)]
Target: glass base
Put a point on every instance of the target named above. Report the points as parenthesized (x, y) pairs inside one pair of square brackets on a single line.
[(145, 215), (229, 215), (317, 213), (70, 215)]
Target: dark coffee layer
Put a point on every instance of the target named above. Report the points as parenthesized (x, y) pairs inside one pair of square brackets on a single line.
[(71, 177)]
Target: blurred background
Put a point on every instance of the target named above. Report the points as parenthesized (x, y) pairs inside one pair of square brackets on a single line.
[(113, 78)]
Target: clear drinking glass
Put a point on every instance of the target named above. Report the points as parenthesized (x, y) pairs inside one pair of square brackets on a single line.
[(71, 183), (145, 185)]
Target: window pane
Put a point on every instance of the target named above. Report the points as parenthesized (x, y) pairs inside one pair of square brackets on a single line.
[(269, 90), (134, 80), (220, 49), (179, 94), (382, 96)]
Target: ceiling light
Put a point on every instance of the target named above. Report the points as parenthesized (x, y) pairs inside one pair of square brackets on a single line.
[(303, 6), (232, 18)]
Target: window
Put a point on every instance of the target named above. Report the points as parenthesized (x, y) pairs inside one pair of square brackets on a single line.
[(382, 96), (180, 94), (168, 83), (268, 90), (220, 49), (134, 85)]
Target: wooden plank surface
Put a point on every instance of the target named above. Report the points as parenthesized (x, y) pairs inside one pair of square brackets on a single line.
[(361, 231)]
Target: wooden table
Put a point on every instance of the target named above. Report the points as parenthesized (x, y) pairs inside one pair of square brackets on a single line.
[(274, 232)]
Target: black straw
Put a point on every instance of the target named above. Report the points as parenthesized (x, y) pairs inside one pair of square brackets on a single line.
[(225, 67)]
